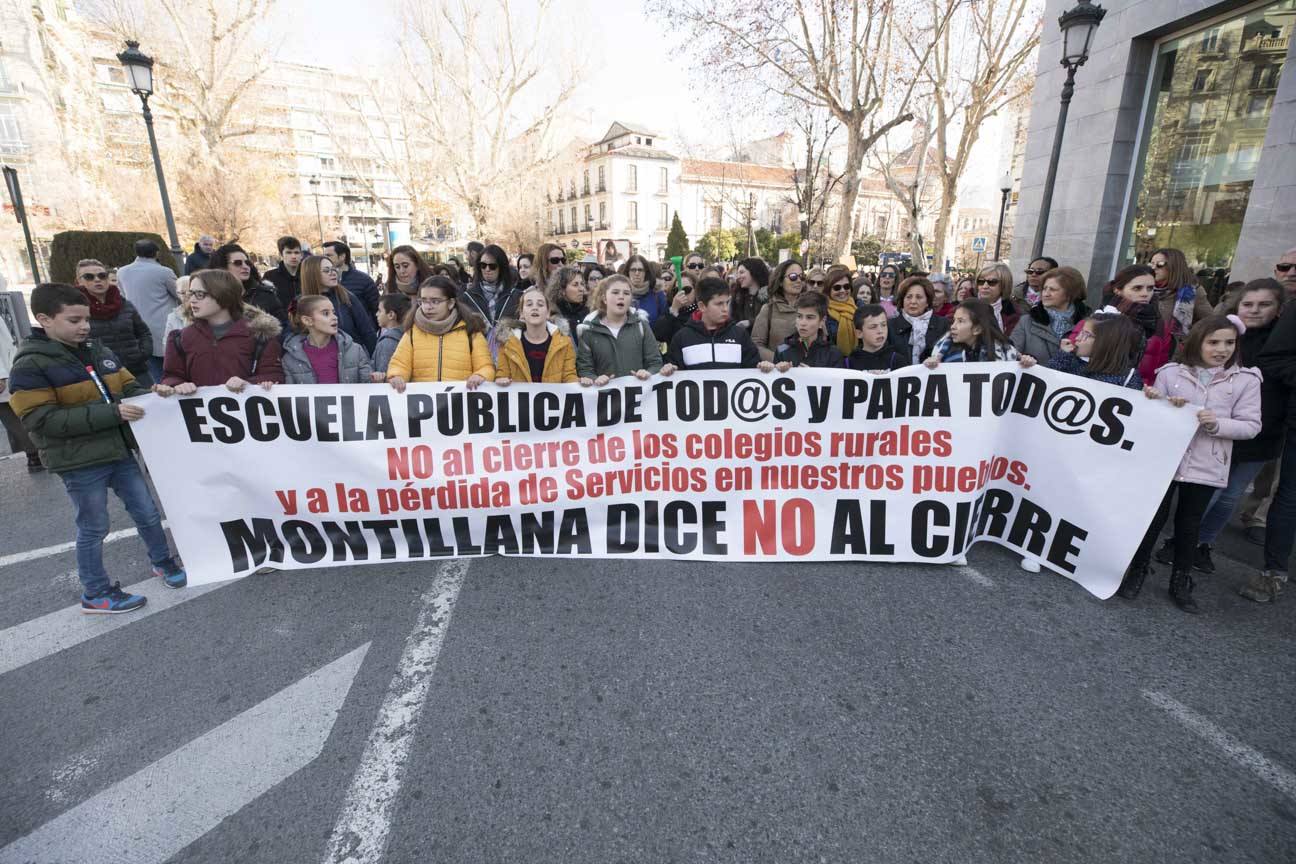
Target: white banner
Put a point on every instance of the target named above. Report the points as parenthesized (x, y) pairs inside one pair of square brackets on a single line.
[(815, 465)]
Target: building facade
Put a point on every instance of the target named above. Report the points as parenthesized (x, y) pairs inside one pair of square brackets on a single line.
[(1182, 133)]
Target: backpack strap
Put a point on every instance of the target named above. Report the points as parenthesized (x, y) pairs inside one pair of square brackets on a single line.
[(177, 344)]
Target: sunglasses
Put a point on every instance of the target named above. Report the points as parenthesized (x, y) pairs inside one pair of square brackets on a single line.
[(1283, 268), (240, 263), (695, 266), (841, 286), (557, 260), (987, 282), (1032, 271), (815, 281), (794, 277), (489, 265), (635, 270), (1159, 266), (94, 277)]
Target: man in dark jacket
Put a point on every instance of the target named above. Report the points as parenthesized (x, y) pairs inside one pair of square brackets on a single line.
[(358, 283), (1278, 365), (67, 389), (199, 258), (286, 278), (712, 340)]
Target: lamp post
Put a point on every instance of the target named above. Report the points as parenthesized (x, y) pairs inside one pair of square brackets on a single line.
[(1078, 25), (20, 213), (1005, 186), (139, 71), (314, 183)]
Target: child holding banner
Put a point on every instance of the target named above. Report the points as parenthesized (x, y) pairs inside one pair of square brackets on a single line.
[(711, 340), (319, 353), (67, 389), (873, 350), (973, 336), (227, 344), (1208, 375), (444, 340), (1107, 348), (809, 345), (539, 353), (616, 339), (393, 309)]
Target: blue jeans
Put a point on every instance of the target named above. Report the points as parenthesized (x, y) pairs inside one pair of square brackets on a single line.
[(1280, 528), (1226, 500), (155, 369), (88, 489)]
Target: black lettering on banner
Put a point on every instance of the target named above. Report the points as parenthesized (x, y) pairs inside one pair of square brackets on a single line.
[(418, 407), (223, 410), (1111, 429), (191, 410), (260, 427), (1030, 394), (573, 533), (305, 541), (929, 515), (975, 383), (344, 537), (501, 539), (248, 545), (538, 533)]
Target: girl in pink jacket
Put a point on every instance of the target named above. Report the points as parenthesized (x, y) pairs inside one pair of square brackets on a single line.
[(1227, 397)]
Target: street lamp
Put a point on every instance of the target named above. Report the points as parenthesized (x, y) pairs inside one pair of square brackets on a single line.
[(1078, 26), (314, 183), (1005, 186), (139, 71)]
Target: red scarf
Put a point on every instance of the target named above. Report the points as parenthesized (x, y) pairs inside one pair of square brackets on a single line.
[(106, 309)]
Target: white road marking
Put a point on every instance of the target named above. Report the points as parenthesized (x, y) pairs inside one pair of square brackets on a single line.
[(361, 832), (59, 630), (976, 576), (45, 552), (1273, 773), (153, 814)]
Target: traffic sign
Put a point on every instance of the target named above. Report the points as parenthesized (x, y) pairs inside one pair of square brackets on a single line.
[(978, 244)]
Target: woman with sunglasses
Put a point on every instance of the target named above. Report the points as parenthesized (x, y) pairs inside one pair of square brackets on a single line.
[(547, 261), (406, 270), (841, 309), (567, 294), (643, 277), (114, 321), (815, 280), (776, 320), (320, 277), (256, 292), (887, 281), (491, 293), (1179, 300), (694, 263), (1027, 292), (993, 285)]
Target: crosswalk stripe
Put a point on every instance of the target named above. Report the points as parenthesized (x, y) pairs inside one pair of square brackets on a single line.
[(46, 551), (153, 814), (361, 832), (59, 630)]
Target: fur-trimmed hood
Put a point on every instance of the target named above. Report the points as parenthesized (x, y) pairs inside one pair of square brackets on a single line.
[(262, 324)]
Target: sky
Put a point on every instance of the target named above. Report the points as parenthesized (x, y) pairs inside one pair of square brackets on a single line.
[(638, 72)]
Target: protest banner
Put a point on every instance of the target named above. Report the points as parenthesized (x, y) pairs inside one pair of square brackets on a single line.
[(816, 465)]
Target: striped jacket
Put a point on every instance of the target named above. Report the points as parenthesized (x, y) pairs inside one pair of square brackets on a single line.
[(71, 414)]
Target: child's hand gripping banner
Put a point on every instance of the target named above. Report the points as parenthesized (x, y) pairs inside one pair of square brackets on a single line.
[(815, 465)]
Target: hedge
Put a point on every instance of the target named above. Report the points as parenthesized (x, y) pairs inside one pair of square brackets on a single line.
[(113, 248)]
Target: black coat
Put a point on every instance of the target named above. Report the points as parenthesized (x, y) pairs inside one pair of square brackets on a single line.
[(287, 285), (196, 260), (1278, 364), (820, 353), (885, 359), (730, 347), (900, 335), (264, 297), (506, 304), (127, 336)]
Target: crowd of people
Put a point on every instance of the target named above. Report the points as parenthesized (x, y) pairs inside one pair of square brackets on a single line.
[(1229, 349)]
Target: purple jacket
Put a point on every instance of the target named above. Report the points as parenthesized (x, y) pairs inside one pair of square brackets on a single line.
[(1234, 395)]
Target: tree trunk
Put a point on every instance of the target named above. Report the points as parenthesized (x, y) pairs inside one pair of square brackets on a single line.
[(850, 190)]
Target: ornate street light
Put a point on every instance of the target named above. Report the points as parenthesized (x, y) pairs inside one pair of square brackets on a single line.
[(1078, 25), (139, 71), (1005, 187)]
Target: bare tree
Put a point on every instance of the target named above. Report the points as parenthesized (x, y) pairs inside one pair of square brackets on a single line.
[(979, 65), (905, 173), (816, 183), (858, 59), (491, 88)]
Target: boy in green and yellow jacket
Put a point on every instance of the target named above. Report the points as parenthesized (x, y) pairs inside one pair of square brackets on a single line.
[(67, 388)]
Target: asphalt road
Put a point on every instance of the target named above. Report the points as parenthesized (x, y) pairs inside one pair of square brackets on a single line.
[(608, 711)]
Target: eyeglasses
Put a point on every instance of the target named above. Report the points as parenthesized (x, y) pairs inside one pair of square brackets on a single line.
[(1159, 265), (694, 266), (557, 260), (815, 282), (841, 286), (794, 277), (1033, 271), (198, 294), (990, 282), (94, 277), (635, 270), (432, 301), (1283, 268), (240, 262), (488, 265)]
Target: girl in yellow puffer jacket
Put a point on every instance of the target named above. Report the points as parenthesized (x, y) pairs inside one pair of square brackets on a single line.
[(538, 353), (444, 341)]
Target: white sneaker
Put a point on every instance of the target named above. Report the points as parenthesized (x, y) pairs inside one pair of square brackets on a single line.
[(960, 561), (1030, 565)]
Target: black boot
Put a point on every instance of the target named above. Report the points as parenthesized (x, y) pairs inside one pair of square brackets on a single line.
[(1181, 587), (1166, 553), (1132, 584)]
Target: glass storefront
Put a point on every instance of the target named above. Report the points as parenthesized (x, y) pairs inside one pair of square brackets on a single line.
[(1211, 98)]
